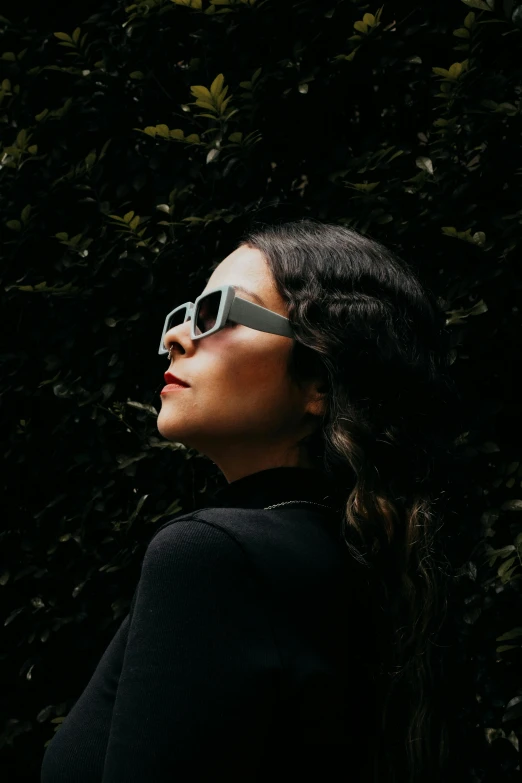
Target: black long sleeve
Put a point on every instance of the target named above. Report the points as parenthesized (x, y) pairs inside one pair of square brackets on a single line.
[(200, 670), (232, 662)]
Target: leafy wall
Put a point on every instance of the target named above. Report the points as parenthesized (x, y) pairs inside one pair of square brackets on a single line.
[(137, 143)]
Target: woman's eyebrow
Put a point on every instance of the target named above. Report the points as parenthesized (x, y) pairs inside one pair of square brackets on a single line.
[(252, 294)]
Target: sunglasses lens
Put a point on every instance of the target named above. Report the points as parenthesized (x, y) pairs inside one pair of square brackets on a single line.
[(176, 318), (207, 312), (206, 315)]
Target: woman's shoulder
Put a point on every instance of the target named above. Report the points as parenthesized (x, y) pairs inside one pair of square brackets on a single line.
[(194, 527), (224, 521)]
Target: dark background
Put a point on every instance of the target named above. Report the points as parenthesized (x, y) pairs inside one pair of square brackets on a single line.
[(86, 476)]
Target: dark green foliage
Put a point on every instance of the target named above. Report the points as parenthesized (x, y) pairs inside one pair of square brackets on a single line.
[(136, 145)]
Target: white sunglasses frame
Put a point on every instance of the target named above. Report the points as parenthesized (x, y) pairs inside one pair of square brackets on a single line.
[(231, 308)]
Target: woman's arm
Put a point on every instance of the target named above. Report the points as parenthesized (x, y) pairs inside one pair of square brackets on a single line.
[(201, 672)]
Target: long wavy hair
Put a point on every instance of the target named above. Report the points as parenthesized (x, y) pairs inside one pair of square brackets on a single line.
[(365, 324)]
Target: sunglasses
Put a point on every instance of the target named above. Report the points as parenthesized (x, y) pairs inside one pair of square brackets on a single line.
[(211, 311)]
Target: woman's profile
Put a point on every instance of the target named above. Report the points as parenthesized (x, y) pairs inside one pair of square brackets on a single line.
[(289, 630)]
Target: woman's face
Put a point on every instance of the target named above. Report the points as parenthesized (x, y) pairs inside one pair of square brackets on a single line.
[(241, 409)]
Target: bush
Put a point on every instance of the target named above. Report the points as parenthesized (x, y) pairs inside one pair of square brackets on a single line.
[(138, 142)]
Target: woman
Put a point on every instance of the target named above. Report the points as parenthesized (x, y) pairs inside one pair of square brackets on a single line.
[(287, 632)]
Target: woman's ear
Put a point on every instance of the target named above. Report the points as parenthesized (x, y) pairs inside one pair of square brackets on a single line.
[(316, 403)]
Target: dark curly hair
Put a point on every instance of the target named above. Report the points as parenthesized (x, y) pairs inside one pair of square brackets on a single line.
[(364, 322)]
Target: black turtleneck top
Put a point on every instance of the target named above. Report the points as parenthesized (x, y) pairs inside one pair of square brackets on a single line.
[(243, 654)]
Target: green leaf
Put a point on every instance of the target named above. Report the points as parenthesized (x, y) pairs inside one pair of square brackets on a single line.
[(424, 163), (366, 187), (13, 614), (505, 108), (148, 408), (62, 235), (220, 98), (128, 217), (217, 85), (63, 36), (136, 75), (205, 104), (469, 20), (163, 131), (461, 32), (481, 4), (513, 634), (134, 222), (506, 565), (500, 553), (455, 70), (42, 114), (14, 225), (76, 35), (512, 505), (104, 149), (9, 56), (26, 211), (361, 27), (201, 92), (478, 309), (479, 238), (225, 104)]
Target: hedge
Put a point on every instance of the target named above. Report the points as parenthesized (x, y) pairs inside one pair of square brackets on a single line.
[(137, 144)]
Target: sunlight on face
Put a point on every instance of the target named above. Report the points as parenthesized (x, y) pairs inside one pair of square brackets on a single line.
[(241, 409)]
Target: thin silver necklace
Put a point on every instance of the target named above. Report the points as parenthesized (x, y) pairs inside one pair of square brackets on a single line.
[(310, 502)]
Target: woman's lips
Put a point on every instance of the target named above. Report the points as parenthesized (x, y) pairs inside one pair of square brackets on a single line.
[(173, 387)]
